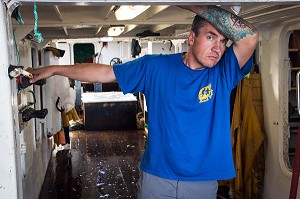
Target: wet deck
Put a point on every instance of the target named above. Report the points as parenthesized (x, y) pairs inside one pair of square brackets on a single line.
[(101, 164), (98, 165)]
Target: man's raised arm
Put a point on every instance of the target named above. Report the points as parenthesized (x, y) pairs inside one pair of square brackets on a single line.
[(242, 33)]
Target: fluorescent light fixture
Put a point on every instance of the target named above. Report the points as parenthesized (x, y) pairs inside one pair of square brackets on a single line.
[(129, 12), (115, 30)]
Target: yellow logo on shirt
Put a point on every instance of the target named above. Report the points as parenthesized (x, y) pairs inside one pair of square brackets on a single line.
[(205, 93)]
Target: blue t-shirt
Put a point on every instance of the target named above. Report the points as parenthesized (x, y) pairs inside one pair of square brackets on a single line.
[(188, 114)]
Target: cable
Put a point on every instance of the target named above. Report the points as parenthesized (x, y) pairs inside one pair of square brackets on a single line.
[(16, 48), (20, 20), (36, 32)]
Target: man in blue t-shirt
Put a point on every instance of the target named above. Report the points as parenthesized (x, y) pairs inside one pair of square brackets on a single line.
[(188, 100)]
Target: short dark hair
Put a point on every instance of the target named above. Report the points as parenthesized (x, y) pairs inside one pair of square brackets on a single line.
[(198, 23)]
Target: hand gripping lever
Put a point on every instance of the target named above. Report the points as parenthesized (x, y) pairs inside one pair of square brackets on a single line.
[(22, 76), (16, 71)]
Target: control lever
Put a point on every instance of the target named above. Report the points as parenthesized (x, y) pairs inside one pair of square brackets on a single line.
[(23, 76), (16, 71), (30, 113)]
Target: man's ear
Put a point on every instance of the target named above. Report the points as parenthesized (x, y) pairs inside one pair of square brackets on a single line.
[(191, 38)]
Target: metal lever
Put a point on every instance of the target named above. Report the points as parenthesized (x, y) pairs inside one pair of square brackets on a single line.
[(19, 71), (15, 71)]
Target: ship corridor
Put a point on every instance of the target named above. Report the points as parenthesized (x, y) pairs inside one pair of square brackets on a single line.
[(99, 164)]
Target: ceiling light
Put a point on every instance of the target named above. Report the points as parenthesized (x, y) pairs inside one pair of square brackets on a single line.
[(129, 12), (115, 30)]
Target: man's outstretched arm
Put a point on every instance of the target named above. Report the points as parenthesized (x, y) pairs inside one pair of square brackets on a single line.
[(242, 33), (89, 72)]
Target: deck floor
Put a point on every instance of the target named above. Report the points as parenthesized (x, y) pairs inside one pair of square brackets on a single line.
[(102, 164)]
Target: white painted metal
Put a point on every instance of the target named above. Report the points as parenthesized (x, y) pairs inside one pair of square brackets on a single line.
[(8, 168), (178, 44), (150, 45)]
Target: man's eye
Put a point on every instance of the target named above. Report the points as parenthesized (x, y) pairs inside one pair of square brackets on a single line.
[(209, 37), (224, 42)]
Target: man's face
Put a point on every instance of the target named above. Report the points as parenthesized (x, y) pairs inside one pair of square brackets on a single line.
[(208, 47)]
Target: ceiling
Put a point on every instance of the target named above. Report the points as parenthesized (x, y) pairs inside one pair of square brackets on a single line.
[(70, 20)]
